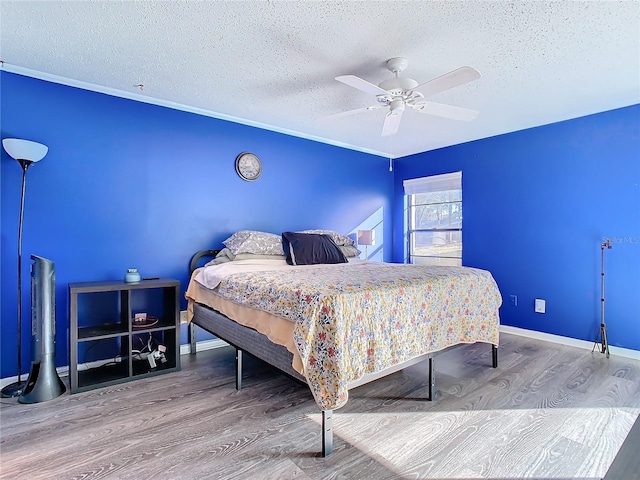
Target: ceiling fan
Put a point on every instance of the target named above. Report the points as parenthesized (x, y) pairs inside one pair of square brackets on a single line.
[(398, 93)]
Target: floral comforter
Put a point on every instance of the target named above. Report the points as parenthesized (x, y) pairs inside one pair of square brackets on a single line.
[(358, 318)]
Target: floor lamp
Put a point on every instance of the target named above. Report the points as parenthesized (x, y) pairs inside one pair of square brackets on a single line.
[(366, 238), (601, 338), (25, 152)]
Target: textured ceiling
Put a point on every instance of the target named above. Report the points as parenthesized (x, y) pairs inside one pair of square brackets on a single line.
[(272, 64)]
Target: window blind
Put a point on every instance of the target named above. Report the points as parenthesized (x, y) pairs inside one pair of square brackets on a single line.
[(435, 183)]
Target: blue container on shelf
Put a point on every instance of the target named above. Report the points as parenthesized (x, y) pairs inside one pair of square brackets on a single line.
[(132, 275)]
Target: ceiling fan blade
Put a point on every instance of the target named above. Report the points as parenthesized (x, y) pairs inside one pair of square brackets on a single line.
[(446, 111), (362, 85), (391, 124), (348, 113), (455, 78)]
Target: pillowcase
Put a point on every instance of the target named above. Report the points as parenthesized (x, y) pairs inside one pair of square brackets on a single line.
[(311, 249), (225, 255), (257, 256), (350, 252), (338, 238), (251, 241)]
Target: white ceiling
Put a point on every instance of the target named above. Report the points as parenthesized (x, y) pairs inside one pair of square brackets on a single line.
[(273, 63)]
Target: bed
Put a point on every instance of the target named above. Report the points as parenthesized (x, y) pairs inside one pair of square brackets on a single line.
[(332, 321)]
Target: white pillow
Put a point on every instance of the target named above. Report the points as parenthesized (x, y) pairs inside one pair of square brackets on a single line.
[(251, 241), (338, 238), (350, 251), (223, 256)]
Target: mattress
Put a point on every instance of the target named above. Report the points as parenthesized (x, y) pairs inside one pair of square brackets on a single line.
[(278, 330)]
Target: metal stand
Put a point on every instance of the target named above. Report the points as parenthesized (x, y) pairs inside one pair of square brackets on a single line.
[(238, 369), (432, 380), (192, 338), (327, 432), (601, 338)]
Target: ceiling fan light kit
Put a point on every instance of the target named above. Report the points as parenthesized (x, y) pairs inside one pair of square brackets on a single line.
[(396, 107), (397, 93)]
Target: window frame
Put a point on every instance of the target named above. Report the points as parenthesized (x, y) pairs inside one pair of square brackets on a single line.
[(432, 184)]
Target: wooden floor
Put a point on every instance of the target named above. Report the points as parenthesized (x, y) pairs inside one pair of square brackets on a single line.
[(547, 412)]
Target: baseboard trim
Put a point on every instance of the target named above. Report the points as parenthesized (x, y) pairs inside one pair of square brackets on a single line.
[(568, 341)]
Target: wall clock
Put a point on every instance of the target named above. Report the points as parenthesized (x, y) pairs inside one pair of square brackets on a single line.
[(248, 166)]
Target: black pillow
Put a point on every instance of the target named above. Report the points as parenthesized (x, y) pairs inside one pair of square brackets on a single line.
[(311, 249)]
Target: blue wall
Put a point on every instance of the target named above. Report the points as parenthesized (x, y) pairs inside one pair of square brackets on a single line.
[(127, 184), (537, 204)]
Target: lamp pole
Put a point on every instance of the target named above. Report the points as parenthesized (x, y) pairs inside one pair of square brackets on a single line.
[(26, 153), (15, 389)]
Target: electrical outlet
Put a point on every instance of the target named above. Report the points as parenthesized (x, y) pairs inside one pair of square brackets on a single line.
[(540, 306), (514, 300), (183, 316)]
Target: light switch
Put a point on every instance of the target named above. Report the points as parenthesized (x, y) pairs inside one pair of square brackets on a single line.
[(540, 306)]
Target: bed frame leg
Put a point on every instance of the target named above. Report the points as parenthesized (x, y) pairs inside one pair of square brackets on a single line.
[(494, 356), (192, 339), (432, 380), (327, 432), (238, 369)]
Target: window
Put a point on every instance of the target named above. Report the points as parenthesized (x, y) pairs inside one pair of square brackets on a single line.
[(434, 228)]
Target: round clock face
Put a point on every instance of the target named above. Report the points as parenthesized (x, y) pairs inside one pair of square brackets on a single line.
[(248, 166)]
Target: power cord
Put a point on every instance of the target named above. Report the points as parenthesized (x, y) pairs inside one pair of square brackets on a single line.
[(151, 351)]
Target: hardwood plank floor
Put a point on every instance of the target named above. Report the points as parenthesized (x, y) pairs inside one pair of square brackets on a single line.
[(626, 465), (547, 412)]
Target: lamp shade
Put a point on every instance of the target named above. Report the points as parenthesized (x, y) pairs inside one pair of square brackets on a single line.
[(366, 237), (24, 149)]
